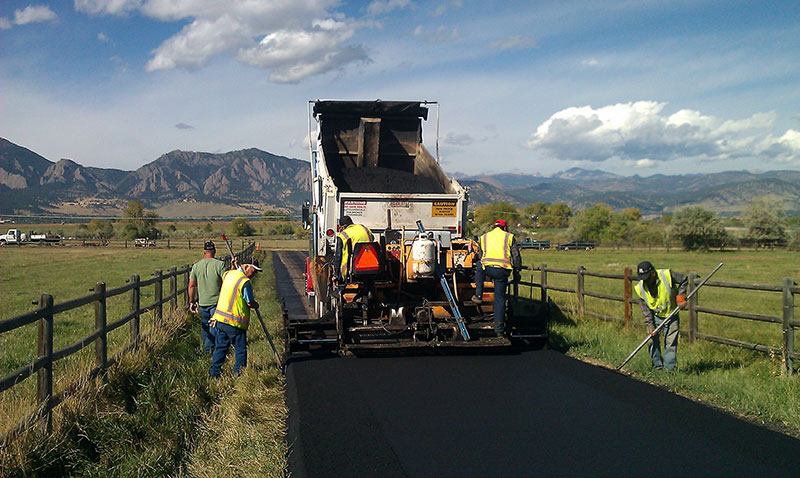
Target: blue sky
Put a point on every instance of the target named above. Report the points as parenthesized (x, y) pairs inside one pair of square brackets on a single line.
[(632, 87)]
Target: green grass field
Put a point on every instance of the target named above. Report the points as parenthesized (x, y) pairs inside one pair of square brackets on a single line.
[(761, 267), (166, 417)]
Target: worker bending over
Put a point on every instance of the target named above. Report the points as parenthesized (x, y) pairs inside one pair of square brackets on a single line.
[(499, 256), (232, 317), (661, 292)]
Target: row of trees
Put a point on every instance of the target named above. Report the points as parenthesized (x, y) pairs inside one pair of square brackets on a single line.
[(764, 222), (137, 222)]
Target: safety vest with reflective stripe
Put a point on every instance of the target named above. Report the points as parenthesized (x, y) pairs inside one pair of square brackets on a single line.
[(496, 247), (661, 305), (231, 307), (356, 234)]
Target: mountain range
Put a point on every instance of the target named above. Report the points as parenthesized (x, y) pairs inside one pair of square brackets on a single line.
[(197, 184)]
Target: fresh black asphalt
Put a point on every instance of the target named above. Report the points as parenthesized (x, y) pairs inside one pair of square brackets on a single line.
[(528, 413)]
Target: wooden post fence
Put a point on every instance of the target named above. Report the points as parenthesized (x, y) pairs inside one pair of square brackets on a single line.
[(543, 283), (136, 297), (579, 290), (788, 329), (100, 322), (44, 382), (159, 292), (173, 288), (628, 293), (692, 308)]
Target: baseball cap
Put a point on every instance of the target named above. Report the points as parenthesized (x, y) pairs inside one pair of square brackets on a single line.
[(254, 265), (644, 269), (209, 246), (500, 222)]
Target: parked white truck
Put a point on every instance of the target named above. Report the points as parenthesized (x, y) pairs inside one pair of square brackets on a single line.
[(17, 237), (13, 236)]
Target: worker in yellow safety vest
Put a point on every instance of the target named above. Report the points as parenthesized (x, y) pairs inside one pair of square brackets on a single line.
[(349, 235), (499, 256), (660, 293), (232, 317)]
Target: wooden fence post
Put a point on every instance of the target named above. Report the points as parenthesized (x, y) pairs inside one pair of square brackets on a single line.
[(627, 288), (692, 306), (788, 329), (173, 288), (100, 321), (579, 290), (44, 382), (186, 285), (159, 293), (544, 284), (190, 244), (167, 243), (136, 297), (126, 243)]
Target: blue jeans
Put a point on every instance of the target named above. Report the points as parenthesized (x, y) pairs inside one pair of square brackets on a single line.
[(500, 278), (208, 334), (671, 331), (228, 335)]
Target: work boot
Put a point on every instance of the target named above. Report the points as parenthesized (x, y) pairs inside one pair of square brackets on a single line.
[(476, 299)]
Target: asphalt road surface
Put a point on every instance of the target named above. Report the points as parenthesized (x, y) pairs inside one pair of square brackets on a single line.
[(531, 413)]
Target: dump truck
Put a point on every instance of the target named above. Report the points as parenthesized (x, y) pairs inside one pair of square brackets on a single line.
[(412, 286)]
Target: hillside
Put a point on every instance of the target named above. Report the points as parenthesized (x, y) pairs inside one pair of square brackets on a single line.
[(187, 183)]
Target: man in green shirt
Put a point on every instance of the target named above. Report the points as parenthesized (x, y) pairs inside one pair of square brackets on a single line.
[(205, 281)]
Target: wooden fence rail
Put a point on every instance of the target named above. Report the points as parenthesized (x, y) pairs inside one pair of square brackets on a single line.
[(786, 316), (42, 365)]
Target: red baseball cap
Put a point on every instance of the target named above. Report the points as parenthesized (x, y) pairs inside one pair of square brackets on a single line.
[(500, 222)]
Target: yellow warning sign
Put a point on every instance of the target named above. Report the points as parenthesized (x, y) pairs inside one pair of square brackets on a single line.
[(443, 209)]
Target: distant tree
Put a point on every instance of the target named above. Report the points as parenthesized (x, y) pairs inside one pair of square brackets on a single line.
[(101, 229), (666, 219), (535, 212), (485, 216), (590, 224), (647, 234), (765, 219), (275, 215), (698, 228), (558, 215), (139, 222), (241, 227), (631, 214), (208, 227)]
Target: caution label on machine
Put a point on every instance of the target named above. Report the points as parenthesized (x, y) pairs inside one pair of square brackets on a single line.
[(443, 209)]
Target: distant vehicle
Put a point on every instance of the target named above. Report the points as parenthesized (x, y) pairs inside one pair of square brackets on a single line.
[(144, 242), (529, 243), (15, 236), (575, 245)]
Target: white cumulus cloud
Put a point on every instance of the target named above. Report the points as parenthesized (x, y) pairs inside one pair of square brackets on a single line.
[(29, 14), (293, 39), (641, 134)]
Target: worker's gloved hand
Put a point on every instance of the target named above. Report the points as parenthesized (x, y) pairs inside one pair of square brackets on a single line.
[(651, 331), (193, 307), (681, 300), (253, 305)]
